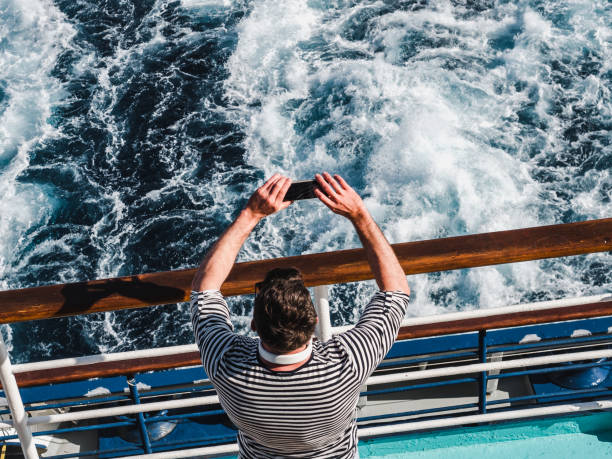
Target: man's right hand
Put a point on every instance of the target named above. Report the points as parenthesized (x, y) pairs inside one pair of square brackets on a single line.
[(336, 194), (268, 198)]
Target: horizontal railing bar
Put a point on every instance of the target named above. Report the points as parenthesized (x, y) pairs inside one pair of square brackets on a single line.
[(208, 451), (222, 439), (318, 269), (107, 365), (383, 379), (489, 312), (393, 390), (488, 417), (197, 414), (430, 411), (107, 369), (182, 390), (391, 365), (36, 406), (84, 428), (565, 396), (561, 368), (96, 452), (489, 366), (119, 410), (506, 320), (413, 321), (540, 346), (167, 446), (101, 358)]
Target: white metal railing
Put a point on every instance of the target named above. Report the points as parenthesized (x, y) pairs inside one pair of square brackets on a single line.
[(321, 303), (324, 331), (480, 313), (13, 397), (206, 451), (100, 358), (320, 300), (383, 379), (488, 417), (413, 426)]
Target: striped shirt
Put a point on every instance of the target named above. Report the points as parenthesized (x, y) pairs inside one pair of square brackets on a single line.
[(305, 413)]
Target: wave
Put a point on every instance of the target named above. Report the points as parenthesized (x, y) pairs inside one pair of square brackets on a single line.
[(451, 119), (133, 132)]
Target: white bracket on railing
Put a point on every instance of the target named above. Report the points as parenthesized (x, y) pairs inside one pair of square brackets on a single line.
[(321, 303), (13, 397), (493, 383)]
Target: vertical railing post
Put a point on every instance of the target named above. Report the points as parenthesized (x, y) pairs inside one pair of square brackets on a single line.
[(482, 357), (321, 304), (144, 434), (13, 397)]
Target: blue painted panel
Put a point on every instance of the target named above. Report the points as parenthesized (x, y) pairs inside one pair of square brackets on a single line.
[(115, 385), (496, 337), (545, 384), (73, 389), (549, 331), (206, 431), (434, 344), (172, 377)]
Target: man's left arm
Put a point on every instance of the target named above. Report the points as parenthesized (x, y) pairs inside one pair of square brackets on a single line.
[(218, 262), (210, 315)]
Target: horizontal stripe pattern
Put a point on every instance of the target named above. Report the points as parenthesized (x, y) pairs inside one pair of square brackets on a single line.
[(305, 413)]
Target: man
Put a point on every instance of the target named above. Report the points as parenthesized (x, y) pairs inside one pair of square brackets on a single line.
[(288, 394)]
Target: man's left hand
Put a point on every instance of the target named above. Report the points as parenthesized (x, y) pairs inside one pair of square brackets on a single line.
[(269, 198)]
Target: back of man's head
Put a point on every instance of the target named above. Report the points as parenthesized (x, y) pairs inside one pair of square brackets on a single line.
[(284, 315)]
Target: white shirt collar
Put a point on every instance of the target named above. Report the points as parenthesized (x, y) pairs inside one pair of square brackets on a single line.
[(285, 359)]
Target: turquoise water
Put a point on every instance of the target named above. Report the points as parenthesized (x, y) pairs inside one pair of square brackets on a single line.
[(571, 437)]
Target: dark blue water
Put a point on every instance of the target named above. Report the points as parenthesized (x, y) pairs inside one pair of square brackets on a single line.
[(133, 131)]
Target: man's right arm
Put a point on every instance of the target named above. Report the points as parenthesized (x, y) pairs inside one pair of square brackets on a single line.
[(336, 194), (369, 341)]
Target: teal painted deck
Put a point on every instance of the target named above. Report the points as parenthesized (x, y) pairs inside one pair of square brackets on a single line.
[(587, 436), (580, 436)]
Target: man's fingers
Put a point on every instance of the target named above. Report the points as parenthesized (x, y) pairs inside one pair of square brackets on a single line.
[(342, 183), (270, 182), (333, 182), (329, 191), (324, 199), (285, 204), (284, 189), (280, 189)]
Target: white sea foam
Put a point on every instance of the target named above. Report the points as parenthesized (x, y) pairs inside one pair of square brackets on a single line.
[(196, 4), (33, 35), (437, 150), (98, 392), (431, 134)]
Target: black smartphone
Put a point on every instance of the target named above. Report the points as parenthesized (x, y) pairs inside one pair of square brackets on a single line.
[(301, 190)]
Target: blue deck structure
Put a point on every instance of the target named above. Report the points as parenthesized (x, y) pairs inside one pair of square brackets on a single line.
[(384, 404)]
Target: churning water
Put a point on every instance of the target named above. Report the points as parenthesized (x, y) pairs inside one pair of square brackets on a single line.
[(132, 131)]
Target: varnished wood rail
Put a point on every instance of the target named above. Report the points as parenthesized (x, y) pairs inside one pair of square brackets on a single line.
[(318, 269), (492, 322)]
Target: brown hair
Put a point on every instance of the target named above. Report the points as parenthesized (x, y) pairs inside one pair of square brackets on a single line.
[(284, 315)]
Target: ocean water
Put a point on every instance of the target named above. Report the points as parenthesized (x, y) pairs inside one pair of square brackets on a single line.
[(131, 132)]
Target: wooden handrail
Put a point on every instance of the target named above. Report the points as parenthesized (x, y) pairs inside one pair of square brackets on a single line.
[(495, 321), (106, 369), (318, 269)]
